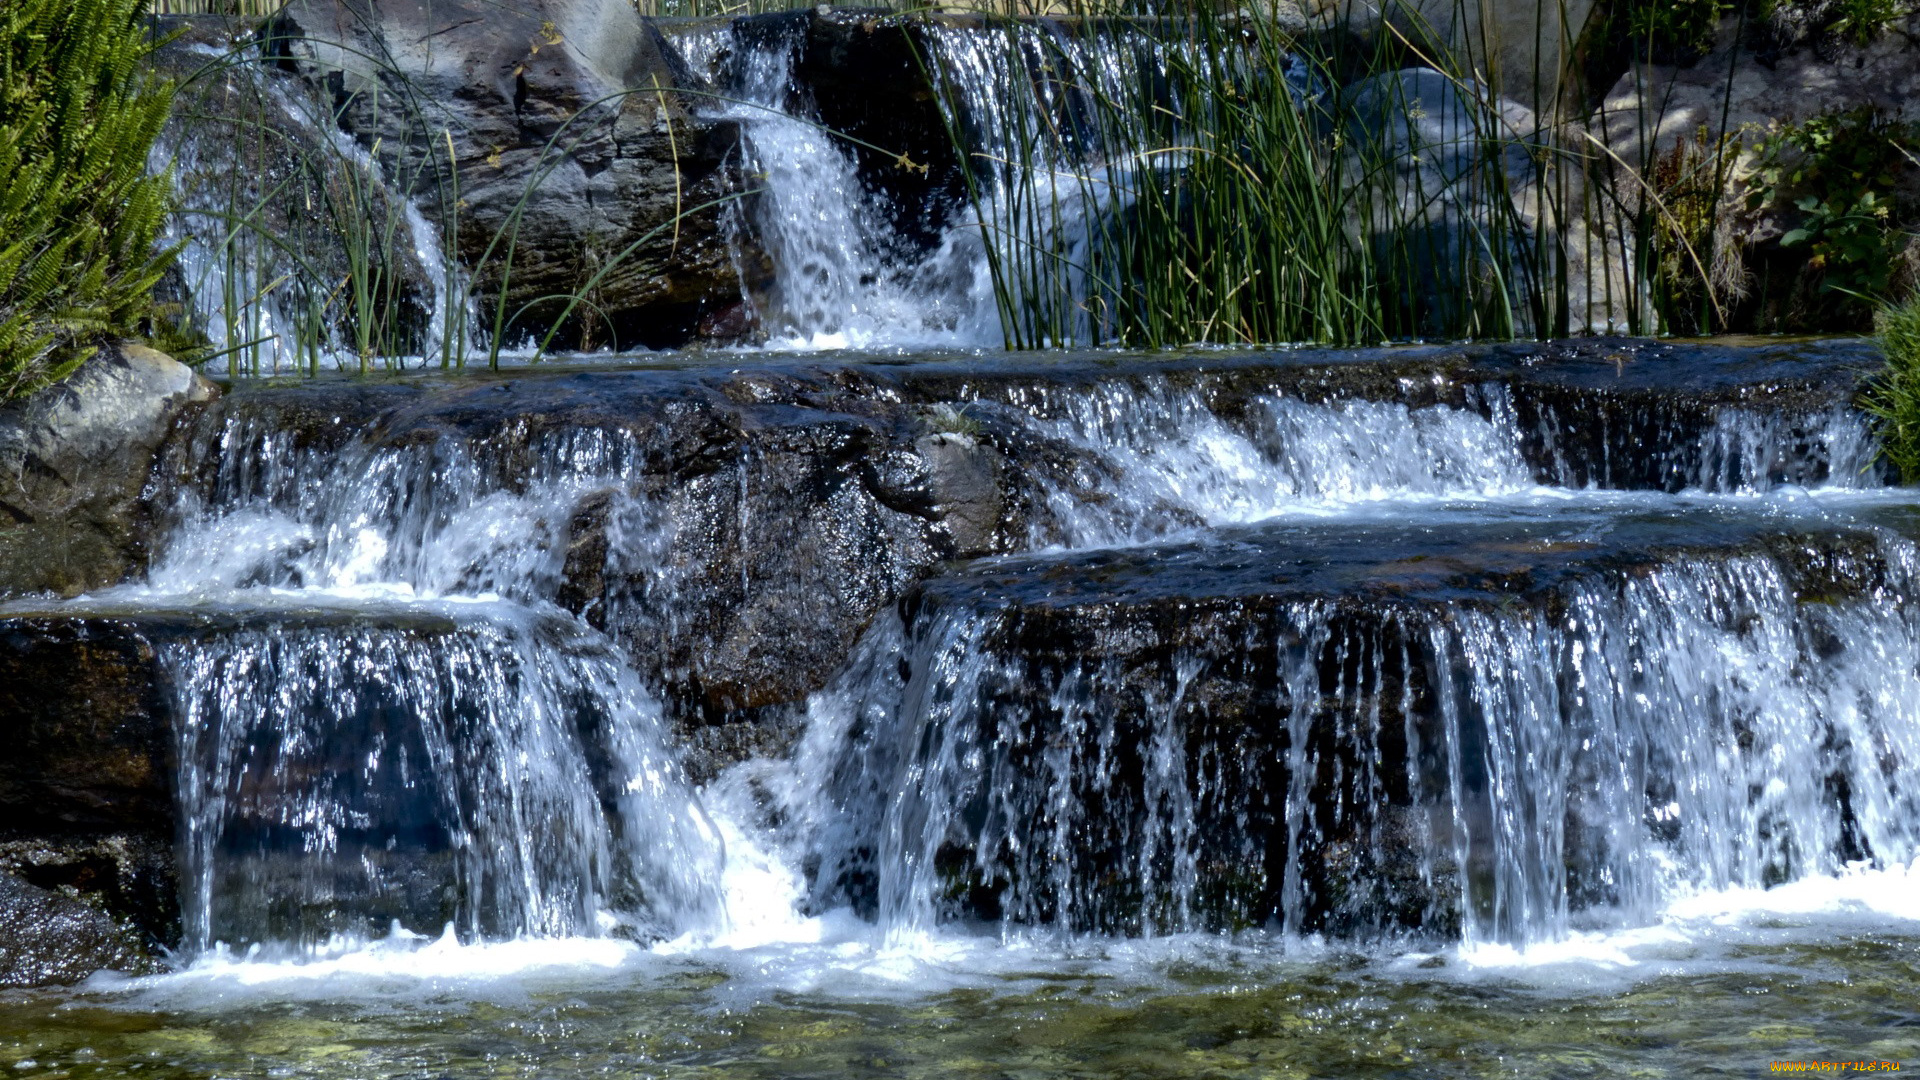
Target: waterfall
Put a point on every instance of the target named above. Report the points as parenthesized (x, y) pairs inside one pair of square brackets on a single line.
[(472, 767), (392, 724), (841, 278), (1104, 762), (1474, 660), (838, 280), (282, 216)]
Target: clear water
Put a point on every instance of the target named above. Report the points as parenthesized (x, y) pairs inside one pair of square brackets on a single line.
[(1719, 991), (669, 931), (434, 826)]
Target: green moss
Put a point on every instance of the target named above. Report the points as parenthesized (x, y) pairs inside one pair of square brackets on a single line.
[(79, 213)]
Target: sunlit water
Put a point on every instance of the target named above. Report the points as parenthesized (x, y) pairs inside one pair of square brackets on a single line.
[(686, 932), (1644, 895), (1720, 987)]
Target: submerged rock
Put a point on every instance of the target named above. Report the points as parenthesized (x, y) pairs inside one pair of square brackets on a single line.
[(74, 459)]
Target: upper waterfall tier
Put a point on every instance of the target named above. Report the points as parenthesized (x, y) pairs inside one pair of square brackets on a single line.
[(737, 527)]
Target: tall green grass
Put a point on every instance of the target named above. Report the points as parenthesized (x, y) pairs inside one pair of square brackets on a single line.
[(301, 235), (1893, 397), (79, 211), (1163, 172), (247, 8), (1199, 176)]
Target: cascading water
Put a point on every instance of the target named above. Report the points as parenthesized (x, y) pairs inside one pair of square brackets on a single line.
[(272, 290), (838, 281), (1042, 747), (389, 724), (1185, 714), (483, 769), (841, 276)]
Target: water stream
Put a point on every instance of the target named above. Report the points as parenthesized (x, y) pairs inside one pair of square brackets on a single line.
[(1359, 727)]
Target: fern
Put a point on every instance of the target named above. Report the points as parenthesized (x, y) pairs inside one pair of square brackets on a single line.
[(79, 211)]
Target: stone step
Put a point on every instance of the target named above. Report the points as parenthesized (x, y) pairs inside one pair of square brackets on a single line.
[(738, 525), (1464, 727)]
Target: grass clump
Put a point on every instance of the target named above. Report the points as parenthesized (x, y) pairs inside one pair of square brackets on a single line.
[(1894, 396), (1206, 177), (79, 212)]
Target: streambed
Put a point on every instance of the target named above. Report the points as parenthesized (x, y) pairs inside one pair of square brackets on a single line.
[(1725, 1005)]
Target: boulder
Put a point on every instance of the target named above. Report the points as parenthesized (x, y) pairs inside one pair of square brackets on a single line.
[(547, 142), (47, 938), (73, 461), (1525, 49), (1451, 179), (1742, 90)]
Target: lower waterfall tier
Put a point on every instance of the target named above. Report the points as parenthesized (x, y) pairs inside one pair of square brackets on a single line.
[(1492, 731), (338, 771)]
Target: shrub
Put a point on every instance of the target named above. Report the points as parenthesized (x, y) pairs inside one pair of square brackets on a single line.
[(79, 212), (1894, 396)]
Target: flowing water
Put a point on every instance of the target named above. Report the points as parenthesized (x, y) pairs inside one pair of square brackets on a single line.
[(1242, 767), (1320, 726)]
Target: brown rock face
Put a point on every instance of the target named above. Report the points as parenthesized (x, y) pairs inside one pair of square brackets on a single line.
[(548, 141)]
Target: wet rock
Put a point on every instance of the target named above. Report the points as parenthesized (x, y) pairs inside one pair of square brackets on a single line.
[(85, 714), (738, 530), (904, 149), (1304, 725), (127, 877), (964, 475), (544, 136), (48, 939), (73, 461)]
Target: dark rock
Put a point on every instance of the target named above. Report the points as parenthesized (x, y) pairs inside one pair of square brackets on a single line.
[(965, 478), (49, 939), (73, 461), (903, 150), (86, 719), (573, 159), (1268, 727), (127, 876)]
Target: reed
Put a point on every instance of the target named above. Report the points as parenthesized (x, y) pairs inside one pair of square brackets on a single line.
[(244, 8), (304, 239), (1164, 173), (1196, 176)]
